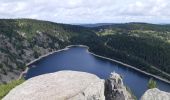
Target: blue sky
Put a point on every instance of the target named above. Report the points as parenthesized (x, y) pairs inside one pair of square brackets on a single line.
[(88, 11)]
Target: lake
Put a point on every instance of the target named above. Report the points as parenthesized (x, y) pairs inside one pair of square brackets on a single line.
[(79, 59)]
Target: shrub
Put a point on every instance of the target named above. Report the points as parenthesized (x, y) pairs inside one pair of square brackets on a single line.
[(152, 84)]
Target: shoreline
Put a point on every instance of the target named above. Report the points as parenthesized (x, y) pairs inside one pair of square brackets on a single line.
[(22, 74), (43, 56), (113, 60), (50, 53), (132, 67)]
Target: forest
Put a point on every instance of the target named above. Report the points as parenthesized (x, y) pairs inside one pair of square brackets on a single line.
[(144, 46)]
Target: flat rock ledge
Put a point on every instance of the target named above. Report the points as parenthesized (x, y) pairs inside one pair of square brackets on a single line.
[(155, 94), (62, 85)]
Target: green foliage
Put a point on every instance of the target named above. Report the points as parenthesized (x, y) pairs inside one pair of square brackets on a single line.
[(145, 46), (152, 84), (5, 88)]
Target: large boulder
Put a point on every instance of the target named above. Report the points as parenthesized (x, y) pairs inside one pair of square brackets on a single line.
[(62, 85), (155, 94), (115, 89)]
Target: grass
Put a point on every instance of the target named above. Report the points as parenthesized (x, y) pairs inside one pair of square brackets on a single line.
[(5, 88)]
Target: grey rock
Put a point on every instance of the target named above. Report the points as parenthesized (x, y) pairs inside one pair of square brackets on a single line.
[(62, 85), (155, 94), (115, 90), (70, 85)]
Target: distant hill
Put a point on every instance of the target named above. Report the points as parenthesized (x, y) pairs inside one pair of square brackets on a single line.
[(116, 24), (95, 25), (145, 46)]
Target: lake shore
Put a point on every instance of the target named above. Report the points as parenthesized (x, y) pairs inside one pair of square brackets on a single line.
[(132, 67), (43, 56), (113, 60)]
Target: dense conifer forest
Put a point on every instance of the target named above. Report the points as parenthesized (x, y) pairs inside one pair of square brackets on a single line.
[(145, 46)]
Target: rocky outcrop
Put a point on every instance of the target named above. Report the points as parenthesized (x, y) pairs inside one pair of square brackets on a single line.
[(155, 94), (70, 85), (115, 90), (62, 85)]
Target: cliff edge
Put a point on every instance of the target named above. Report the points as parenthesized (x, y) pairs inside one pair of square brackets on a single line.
[(62, 85), (70, 85)]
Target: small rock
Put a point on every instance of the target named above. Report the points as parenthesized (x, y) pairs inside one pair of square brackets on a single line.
[(155, 94)]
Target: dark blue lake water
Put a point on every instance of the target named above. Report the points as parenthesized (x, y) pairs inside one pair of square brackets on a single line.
[(78, 59)]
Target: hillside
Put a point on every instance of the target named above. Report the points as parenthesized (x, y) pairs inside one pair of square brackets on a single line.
[(24, 40), (145, 46)]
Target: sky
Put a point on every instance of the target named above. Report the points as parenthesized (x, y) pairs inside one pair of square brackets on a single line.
[(88, 11)]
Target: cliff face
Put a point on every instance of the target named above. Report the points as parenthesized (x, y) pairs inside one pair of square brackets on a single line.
[(70, 85), (155, 94)]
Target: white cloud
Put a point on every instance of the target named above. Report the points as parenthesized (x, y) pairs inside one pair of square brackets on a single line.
[(88, 11)]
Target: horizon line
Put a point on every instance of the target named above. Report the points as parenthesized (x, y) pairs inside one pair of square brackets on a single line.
[(139, 22)]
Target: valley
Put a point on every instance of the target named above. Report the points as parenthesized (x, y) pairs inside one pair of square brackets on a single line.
[(145, 46)]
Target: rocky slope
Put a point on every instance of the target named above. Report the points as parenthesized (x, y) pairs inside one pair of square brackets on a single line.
[(70, 85)]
